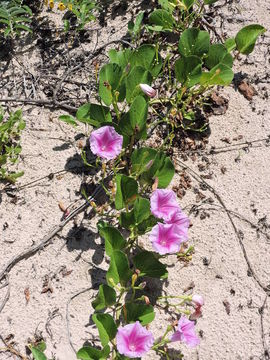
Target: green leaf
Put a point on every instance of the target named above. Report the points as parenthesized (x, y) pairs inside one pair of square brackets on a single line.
[(188, 4), (209, 2), (163, 19), (147, 57), (91, 353), (120, 57), (149, 265), (219, 75), (68, 119), (93, 114), (109, 78), (218, 54), (188, 70), (138, 75), (149, 164), (194, 42), (230, 44), (113, 239), (165, 172), (141, 159), (37, 354), (106, 297), (246, 38), (127, 219), (141, 210), (139, 312), (119, 270), (126, 191), (107, 328), (134, 121)]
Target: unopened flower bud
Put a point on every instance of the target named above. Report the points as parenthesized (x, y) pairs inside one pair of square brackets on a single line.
[(148, 90), (146, 299), (93, 204), (134, 279), (142, 285)]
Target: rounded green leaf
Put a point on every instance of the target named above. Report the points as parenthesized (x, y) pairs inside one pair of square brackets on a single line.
[(246, 38), (146, 57), (138, 75), (162, 18), (37, 354), (119, 271), (113, 239), (188, 70), (109, 78), (139, 312), (126, 191), (149, 265), (219, 75), (91, 353), (218, 54), (141, 210), (107, 328), (194, 41), (120, 57), (93, 114), (230, 44), (106, 297), (165, 173)]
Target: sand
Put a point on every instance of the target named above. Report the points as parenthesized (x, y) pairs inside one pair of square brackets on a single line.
[(230, 267)]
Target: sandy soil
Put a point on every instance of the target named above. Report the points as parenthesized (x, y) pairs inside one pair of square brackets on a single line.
[(230, 267)]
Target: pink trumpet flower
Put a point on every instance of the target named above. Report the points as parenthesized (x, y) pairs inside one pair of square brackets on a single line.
[(164, 204), (106, 142), (182, 221), (148, 90), (186, 332), (166, 238), (134, 340)]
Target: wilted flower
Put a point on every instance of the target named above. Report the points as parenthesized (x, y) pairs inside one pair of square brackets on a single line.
[(186, 332), (165, 238), (148, 90), (197, 300), (180, 219), (164, 204), (106, 142), (133, 340)]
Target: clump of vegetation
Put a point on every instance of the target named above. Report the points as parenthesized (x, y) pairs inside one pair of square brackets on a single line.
[(14, 18), (10, 148)]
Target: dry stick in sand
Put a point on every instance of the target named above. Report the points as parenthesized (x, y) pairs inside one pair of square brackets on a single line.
[(54, 103), (197, 177), (45, 241)]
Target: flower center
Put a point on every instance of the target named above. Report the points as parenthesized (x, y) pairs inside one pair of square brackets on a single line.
[(103, 147), (163, 242), (132, 347)]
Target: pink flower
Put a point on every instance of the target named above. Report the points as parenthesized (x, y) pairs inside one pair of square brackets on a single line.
[(164, 204), (148, 90), (166, 238), (106, 142), (180, 219), (133, 340), (186, 332), (197, 300)]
